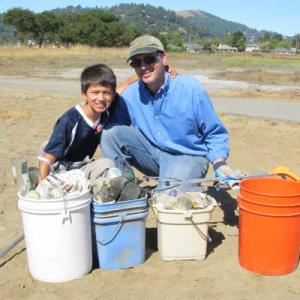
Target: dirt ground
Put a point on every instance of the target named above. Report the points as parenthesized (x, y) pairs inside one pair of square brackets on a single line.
[(26, 119)]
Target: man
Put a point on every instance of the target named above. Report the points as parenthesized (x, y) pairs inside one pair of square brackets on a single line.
[(175, 131)]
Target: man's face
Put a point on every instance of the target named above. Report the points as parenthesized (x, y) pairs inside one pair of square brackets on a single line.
[(99, 98), (149, 67)]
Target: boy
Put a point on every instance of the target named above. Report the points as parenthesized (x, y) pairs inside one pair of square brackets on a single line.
[(77, 132)]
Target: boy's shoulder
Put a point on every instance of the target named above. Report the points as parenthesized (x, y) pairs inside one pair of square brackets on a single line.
[(71, 115)]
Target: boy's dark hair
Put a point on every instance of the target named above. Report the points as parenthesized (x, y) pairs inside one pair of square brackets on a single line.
[(99, 74)]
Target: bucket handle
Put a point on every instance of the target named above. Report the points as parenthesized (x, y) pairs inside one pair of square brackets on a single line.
[(114, 233), (201, 233)]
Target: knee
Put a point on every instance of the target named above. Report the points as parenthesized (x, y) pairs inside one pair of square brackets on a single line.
[(109, 133), (114, 135)]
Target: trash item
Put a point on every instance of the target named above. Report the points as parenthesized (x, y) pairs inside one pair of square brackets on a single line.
[(130, 191), (115, 186), (58, 238), (269, 218), (107, 190), (54, 187), (182, 200), (33, 195), (113, 173), (21, 173), (119, 233), (33, 177), (53, 173)]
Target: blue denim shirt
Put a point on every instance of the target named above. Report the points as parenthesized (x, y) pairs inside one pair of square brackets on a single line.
[(179, 118)]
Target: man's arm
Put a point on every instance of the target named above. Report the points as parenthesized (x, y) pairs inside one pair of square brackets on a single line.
[(214, 133), (121, 87)]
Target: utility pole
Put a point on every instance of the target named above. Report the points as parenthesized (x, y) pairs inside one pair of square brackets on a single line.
[(297, 42)]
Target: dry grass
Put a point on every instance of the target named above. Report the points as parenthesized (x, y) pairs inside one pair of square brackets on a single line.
[(30, 61), (290, 95), (13, 114), (260, 76)]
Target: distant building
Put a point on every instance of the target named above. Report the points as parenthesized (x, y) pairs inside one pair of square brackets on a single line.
[(174, 48), (252, 48), (226, 48), (193, 48), (282, 51)]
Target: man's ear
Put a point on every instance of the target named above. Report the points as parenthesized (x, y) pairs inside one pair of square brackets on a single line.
[(164, 58)]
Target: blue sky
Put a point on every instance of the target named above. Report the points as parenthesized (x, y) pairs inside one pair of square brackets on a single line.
[(275, 15)]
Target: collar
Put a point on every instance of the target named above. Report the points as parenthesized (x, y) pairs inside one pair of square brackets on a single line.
[(87, 120), (163, 89)]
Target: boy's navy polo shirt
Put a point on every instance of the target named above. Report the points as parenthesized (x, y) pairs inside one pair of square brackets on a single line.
[(74, 136)]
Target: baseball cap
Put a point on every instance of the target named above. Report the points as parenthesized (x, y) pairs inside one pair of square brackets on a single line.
[(145, 44)]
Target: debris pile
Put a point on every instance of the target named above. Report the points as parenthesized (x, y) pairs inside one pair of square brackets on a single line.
[(176, 200)]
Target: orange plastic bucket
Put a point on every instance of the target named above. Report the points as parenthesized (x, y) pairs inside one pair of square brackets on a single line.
[(269, 225)]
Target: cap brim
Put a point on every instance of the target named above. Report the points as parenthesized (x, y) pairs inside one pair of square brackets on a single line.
[(143, 51)]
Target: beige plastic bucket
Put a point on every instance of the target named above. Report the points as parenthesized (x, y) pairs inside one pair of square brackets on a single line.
[(183, 234), (58, 237)]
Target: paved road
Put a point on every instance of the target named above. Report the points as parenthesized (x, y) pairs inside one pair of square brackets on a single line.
[(276, 109)]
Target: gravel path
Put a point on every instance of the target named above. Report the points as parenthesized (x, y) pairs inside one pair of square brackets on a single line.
[(277, 109)]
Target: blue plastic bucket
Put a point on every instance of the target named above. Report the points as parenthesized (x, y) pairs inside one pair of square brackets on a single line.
[(119, 233)]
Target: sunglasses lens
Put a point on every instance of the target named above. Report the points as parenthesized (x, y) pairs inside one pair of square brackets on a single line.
[(147, 60), (136, 63)]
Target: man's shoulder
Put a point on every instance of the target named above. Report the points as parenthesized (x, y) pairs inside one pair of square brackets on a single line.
[(186, 82), (131, 89)]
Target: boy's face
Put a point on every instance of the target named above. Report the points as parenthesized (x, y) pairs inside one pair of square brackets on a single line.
[(98, 98)]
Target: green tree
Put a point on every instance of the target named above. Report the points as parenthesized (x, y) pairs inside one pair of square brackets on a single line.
[(277, 37), (47, 25), (23, 20), (238, 41)]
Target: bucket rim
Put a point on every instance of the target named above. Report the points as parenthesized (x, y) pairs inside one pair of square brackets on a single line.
[(112, 203), (54, 200), (266, 204), (242, 188), (183, 211)]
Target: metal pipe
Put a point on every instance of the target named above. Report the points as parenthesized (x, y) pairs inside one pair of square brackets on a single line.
[(11, 245)]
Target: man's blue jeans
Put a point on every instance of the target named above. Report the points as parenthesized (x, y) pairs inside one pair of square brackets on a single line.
[(128, 146)]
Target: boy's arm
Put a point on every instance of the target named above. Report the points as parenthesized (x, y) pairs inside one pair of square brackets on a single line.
[(44, 169)]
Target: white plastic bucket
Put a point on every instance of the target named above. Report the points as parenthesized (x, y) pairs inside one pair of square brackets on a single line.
[(58, 237), (183, 234)]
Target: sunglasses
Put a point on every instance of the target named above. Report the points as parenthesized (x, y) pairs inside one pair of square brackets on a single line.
[(147, 60)]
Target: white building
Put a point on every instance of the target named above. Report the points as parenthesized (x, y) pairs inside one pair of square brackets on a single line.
[(226, 48), (252, 48)]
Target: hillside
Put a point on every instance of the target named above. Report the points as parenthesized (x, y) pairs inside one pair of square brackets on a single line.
[(182, 25), (151, 19), (216, 26)]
